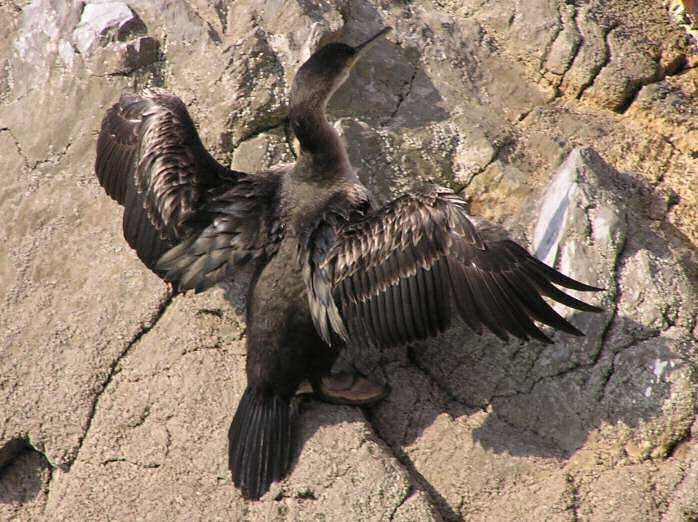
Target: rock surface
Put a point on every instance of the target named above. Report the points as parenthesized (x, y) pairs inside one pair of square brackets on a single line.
[(571, 124)]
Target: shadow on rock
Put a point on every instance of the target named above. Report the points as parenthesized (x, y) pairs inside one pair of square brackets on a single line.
[(400, 93), (461, 402), (24, 473)]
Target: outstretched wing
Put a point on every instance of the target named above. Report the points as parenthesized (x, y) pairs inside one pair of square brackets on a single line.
[(243, 227), (394, 273), (150, 159)]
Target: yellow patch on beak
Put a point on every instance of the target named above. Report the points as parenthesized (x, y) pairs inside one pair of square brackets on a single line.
[(362, 48)]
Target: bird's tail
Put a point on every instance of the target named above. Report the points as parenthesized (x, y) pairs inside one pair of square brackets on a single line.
[(260, 441)]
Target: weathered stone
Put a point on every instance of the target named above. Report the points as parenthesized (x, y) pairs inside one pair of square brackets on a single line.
[(130, 393), (632, 369), (155, 422), (683, 499), (103, 21)]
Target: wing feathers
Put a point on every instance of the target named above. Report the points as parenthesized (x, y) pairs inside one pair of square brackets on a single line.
[(178, 200), (463, 296), (396, 270)]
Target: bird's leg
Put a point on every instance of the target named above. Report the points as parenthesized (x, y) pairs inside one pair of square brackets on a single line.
[(348, 388)]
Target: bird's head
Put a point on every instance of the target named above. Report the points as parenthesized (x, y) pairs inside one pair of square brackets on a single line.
[(325, 71)]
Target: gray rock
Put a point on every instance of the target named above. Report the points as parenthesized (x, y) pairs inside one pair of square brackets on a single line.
[(125, 395), (629, 379), (104, 20)]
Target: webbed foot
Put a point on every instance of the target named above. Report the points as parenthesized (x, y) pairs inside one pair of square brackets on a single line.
[(348, 388)]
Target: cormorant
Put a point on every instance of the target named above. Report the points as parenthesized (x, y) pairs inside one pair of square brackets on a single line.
[(329, 268)]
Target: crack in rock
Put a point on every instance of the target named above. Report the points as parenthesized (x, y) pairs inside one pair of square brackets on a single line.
[(573, 490), (596, 70), (677, 67), (404, 93), (575, 50), (52, 157), (277, 125), (408, 494), (126, 461), (113, 367), (553, 37), (684, 438), (441, 505), (20, 151), (498, 147), (414, 361)]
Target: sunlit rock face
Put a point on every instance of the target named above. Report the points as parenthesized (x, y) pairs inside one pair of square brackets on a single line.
[(573, 126)]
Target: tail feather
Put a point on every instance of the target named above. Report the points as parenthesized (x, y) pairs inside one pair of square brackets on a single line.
[(260, 442)]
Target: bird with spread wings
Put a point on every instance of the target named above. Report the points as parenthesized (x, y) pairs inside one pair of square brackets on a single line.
[(329, 267)]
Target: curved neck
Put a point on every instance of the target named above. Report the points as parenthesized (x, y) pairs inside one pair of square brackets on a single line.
[(322, 151)]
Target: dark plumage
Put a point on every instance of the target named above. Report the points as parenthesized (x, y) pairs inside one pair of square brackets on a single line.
[(329, 268)]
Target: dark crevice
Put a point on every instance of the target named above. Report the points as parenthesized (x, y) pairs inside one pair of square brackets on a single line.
[(230, 145), (574, 494), (634, 91), (406, 88), (676, 67), (623, 107), (132, 71), (596, 70), (576, 367), (408, 494), (126, 461), (435, 498), (498, 147), (221, 9), (576, 49), (11, 450), (684, 438), (606, 379), (113, 369), (20, 151), (405, 91), (28, 164), (617, 290), (553, 37)]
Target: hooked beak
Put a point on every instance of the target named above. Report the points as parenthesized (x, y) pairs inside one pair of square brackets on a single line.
[(362, 48)]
